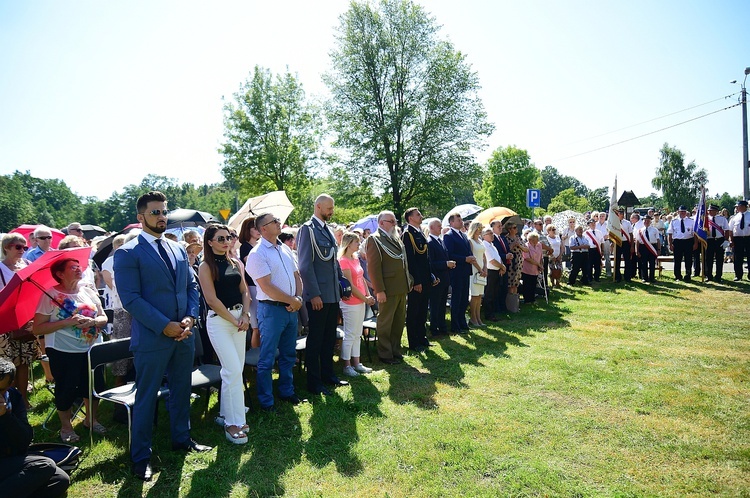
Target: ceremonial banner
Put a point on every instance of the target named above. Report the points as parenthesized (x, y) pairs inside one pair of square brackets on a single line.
[(613, 221)]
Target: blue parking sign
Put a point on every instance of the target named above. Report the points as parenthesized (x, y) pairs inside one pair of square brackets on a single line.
[(533, 198)]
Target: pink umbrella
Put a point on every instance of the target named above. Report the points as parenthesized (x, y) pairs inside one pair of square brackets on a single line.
[(20, 297), (26, 230)]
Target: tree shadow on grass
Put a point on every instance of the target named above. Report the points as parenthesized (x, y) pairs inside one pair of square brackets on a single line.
[(334, 433)]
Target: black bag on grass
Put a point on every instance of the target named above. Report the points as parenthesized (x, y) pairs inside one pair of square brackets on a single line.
[(66, 457)]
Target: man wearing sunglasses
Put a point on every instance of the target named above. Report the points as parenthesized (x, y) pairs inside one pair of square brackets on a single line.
[(320, 272), (158, 289), (43, 236)]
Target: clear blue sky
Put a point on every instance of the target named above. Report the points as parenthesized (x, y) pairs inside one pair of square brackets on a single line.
[(102, 93)]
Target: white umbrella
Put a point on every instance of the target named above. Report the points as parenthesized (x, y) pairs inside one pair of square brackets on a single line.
[(274, 202), (465, 210)]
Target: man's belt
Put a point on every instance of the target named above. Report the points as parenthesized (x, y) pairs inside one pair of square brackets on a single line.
[(273, 303)]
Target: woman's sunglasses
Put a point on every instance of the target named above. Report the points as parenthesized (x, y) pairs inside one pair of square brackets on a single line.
[(221, 239), (19, 247)]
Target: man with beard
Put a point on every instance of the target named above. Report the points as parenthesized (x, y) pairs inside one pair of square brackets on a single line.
[(419, 266), (320, 272), (158, 289), (389, 274)]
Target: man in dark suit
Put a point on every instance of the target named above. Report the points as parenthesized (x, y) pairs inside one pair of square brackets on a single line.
[(320, 272), (415, 245), (441, 266), (159, 291), (506, 257), (459, 250)]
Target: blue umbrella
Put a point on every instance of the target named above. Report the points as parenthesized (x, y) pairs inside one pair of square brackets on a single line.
[(369, 222)]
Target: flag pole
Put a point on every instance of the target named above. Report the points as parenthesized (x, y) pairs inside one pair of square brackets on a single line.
[(614, 273)]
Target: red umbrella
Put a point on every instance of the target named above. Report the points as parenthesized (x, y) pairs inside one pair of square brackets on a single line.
[(20, 297), (25, 230)]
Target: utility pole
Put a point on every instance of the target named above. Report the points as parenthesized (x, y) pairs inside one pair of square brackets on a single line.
[(745, 162)]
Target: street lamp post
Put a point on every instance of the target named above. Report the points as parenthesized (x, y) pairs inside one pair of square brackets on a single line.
[(745, 162)]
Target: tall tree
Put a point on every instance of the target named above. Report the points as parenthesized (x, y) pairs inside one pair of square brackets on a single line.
[(568, 199), (272, 136), (404, 103), (680, 183), (553, 182), (509, 173), (16, 204)]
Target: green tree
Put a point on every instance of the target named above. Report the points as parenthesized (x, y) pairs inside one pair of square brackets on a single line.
[(508, 174), (272, 137), (54, 203), (553, 182), (404, 104), (680, 183), (598, 198), (568, 199), (725, 201), (16, 204)]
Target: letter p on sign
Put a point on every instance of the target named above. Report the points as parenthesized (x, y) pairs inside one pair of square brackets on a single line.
[(533, 198)]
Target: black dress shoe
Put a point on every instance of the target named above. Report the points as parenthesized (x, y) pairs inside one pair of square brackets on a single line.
[(268, 409), (399, 357), (293, 399), (142, 470), (429, 344), (336, 382), (736, 279), (419, 349), (687, 278), (191, 445), (320, 390)]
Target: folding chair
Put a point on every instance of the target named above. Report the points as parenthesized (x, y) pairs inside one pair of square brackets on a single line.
[(204, 376), (369, 332), (108, 352)]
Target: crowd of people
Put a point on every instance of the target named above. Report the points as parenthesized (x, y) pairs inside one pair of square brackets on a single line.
[(266, 285)]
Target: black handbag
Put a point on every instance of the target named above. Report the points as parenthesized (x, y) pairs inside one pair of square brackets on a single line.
[(66, 457)]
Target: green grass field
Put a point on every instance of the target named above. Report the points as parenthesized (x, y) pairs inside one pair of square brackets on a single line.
[(639, 390)]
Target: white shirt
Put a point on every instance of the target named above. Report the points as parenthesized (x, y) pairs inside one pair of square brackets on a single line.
[(734, 225), (653, 235), (675, 228), (602, 228), (628, 229), (490, 252), (555, 243), (275, 260), (721, 222), (579, 241)]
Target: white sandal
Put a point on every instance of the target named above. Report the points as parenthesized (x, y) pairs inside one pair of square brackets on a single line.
[(238, 437)]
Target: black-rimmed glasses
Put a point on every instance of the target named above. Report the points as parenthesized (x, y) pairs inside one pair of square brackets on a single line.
[(19, 247), (275, 220), (46, 237), (221, 239)]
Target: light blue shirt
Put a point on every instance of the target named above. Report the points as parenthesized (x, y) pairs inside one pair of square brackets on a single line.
[(275, 260)]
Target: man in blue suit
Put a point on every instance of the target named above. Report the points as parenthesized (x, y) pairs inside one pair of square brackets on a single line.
[(158, 289), (441, 266), (459, 250), (320, 272)]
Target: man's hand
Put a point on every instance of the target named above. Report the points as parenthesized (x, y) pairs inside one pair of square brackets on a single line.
[(435, 282), (177, 331), (381, 297), (317, 303), (297, 304), (417, 288), (451, 264)]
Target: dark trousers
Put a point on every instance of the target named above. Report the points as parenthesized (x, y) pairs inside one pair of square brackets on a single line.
[(459, 302), (321, 339), (546, 271), (622, 253), (714, 253), (32, 476), (683, 251), (416, 316), (580, 264), (697, 262), (502, 293), (528, 288), (741, 254), (438, 302), (647, 265), (489, 302), (595, 265)]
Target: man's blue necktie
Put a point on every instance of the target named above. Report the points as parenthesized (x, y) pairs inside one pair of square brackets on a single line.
[(165, 258)]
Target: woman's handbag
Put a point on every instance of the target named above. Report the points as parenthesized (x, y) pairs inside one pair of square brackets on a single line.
[(479, 279), (555, 269), (64, 455), (23, 334)]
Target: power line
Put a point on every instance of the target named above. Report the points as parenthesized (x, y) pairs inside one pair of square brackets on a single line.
[(654, 119), (646, 134)]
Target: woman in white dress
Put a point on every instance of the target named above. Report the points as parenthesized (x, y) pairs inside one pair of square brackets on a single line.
[(479, 274)]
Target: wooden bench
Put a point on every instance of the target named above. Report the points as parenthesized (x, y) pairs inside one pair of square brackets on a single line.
[(663, 259)]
